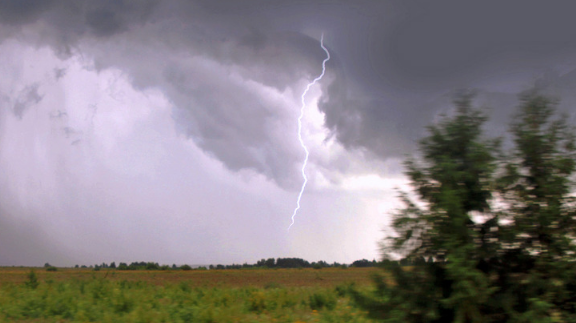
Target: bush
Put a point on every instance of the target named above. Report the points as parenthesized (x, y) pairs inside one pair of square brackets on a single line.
[(342, 289), (185, 267), (257, 302), (32, 280), (320, 300), (152, 266), (51, 268)]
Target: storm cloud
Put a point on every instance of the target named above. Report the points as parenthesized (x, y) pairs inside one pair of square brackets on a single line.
[(176, 120)]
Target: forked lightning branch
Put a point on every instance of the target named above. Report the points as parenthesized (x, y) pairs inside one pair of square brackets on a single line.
[(302, 108)]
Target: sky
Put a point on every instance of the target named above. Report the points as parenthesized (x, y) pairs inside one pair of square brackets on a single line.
[(167, 131)]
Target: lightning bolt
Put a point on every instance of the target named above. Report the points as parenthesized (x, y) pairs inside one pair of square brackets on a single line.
[(300, 127)]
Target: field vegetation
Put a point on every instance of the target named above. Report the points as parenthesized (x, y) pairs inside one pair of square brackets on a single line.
[(250, 295)]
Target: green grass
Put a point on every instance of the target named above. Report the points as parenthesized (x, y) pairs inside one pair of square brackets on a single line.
[(105, 298)]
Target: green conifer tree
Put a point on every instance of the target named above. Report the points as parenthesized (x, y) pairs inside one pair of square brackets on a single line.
[(536, 269), (497, 229)]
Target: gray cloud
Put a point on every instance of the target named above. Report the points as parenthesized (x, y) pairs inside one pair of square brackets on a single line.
[(59, 114), (393, 68), (106, 18), (393, 65), (20, 12), (402, 76), (163, 45), (232, 73), (28, 97), (59, 73), (24, 243), (214, 84)]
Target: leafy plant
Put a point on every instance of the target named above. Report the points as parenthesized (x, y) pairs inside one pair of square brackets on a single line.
[(32, 280)]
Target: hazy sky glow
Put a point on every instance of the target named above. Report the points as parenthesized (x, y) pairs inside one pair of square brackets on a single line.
[(167, 130)]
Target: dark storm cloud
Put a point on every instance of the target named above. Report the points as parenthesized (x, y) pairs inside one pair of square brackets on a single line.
[(106, 18), (403, 75), (166, 45), (224, 79), (23, 11), (445, 40), (393, 70), (101, 157), (384, 126), (64, 22)]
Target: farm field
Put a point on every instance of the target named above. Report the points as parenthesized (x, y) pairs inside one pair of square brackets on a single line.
[(308, 277), (251, 295)]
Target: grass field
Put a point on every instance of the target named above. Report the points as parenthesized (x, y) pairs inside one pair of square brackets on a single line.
[(252, 295), (326, 277)]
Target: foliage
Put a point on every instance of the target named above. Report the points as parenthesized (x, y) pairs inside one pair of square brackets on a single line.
[(32, 280), (100, 299), (364, 263), (490, 236), (320, 300), (264, 263)]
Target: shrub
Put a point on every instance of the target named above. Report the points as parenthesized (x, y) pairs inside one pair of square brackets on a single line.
[(152, 266), (257, 302), (51, 268), (184, 287), (344, 289), (185, 267), (32, 280), (320, 300)]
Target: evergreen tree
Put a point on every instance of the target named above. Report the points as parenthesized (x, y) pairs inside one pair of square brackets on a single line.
[(538, 225), (452, 181), (497, 229)]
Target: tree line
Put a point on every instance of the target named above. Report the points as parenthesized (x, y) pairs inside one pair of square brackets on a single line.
[(263, 263)]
